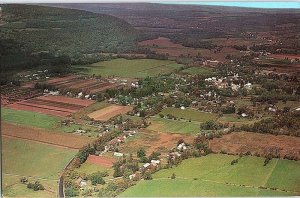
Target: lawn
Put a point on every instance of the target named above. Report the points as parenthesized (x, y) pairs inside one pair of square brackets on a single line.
[(213, 175), (205, 71), (189, 114), (37, 161), (174, 126), (138, 68), (33, 119)]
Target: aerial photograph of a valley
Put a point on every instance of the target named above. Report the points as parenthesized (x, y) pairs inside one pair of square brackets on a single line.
[(150, 99)]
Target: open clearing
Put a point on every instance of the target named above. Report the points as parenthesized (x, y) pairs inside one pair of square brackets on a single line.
[(213, 175), (189, 114), (109, 112), (238, 142), (138, 68), (44, 136), (152, 141), (174, 126), (52, 105), (35, 161)]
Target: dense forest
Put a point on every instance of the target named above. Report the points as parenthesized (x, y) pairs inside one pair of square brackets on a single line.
[(33, 36)]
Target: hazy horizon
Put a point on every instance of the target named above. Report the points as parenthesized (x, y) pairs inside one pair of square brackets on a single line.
[(274, 4)]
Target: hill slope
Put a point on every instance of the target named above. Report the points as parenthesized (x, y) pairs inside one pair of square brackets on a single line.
[(28, 30)]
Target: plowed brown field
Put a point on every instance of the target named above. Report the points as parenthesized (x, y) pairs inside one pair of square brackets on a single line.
[(104, 161), (109, 112)]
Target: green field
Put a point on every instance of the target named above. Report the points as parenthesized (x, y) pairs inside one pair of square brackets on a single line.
[(199, 71), (213, 175), (174, 126), (37, 161), (39, 120), (138, 68), (189, 114)]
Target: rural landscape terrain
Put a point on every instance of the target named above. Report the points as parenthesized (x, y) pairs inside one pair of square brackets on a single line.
[(149, 100)]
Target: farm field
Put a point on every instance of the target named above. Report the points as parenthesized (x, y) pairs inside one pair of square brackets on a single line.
[(45, 136), (213, 175), (32, 160), (86, 85), (52, 105), (101, 160), (174, 126), (111, 111), (205, 71), (189, 114), (89, 109), (12, 93), (39, 120), (237, 142), (138, 68)]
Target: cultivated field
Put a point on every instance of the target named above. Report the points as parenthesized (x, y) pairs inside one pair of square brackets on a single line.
[(109, 112), (52, 105), (138, 68), (213, 175), (44, 136), (36, 162), (101, 160), (189, 114), (241, 142), (11, 94), (42, 121), (86, 85)]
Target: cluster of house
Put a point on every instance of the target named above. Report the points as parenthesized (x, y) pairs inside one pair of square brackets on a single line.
[(222, 83)]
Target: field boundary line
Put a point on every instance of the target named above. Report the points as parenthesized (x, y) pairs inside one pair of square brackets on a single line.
[(270, 174)]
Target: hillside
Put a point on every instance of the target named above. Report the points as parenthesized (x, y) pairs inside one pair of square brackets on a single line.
[(190, 25), (28, 30)]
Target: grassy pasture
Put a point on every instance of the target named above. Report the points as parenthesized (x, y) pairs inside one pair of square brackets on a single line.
[(33, 119), (205, 71), (138, 68), (174, 126), (38, 161), (213, 175), (191, 114)]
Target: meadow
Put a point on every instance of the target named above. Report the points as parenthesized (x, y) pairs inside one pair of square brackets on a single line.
[(32, 160), (213, 175), (189, 114), (138, 68), (174, 126)]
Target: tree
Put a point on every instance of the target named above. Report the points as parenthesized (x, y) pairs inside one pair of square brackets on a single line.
[(71, 192), (173, 176), (141, 153)]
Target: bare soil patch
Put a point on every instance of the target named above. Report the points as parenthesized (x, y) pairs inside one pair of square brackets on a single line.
[(283, 56), (109, 112), (101, 160), (44, 136), (241, 142)]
